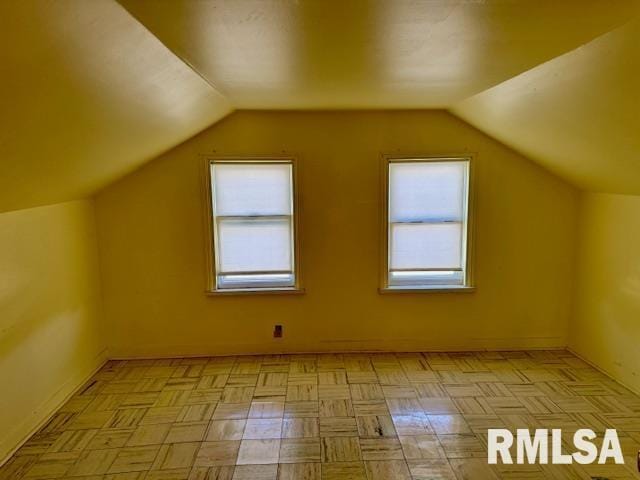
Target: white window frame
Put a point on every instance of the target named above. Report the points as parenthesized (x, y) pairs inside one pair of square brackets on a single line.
[(467, 270), (211, 229)]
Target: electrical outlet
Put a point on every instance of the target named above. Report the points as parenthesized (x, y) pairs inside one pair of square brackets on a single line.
[(277, 331)]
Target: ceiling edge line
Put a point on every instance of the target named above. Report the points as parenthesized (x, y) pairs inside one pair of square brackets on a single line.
[(563, 178), (179, 57), (629, 20)]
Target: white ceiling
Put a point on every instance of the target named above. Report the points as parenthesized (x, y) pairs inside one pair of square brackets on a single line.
[(578, 114), (87, 95), (310, 54), (90, 90)]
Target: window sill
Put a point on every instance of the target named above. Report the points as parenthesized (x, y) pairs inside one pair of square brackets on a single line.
[(255, 291), (429, 289)]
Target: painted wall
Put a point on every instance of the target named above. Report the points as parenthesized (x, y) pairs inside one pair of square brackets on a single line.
[(50, 326), (152, 245), (606, 322)]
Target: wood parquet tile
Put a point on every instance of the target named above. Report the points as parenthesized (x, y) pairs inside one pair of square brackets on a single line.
[(325, 417)]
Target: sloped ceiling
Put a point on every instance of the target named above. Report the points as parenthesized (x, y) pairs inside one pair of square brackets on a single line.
[(91, 89), (87, 94), (275, 54), (578, 114)]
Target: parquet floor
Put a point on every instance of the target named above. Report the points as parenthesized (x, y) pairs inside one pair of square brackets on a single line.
[(325, 417)]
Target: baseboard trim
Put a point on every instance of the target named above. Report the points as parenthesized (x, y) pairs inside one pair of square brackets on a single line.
[(603, 371), (44, 413), (47, 409), (337, 346)]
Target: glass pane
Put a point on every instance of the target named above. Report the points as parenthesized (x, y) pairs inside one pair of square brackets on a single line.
[(424, 246), (420, 191), (251, 245), (426, 278), (250, 189), (255, 281)]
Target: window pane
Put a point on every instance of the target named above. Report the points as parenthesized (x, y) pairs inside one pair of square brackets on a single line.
[(249, 189), (420, 191), (254, 245), (424, 246), (426, 277), (255, 281)]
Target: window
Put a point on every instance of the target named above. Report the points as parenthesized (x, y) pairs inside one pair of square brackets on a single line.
[(253, 225), (427, 223)]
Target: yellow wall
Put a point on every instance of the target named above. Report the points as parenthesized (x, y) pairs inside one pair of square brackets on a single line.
[(50, 336), (606, 323), (152, 246)]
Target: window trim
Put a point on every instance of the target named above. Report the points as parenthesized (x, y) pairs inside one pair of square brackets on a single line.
[(210, 240), (468, 285)]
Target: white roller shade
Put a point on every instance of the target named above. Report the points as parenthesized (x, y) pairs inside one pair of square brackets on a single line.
[(251, 189), (254, 245), (424, 246), (427, 222), (422, 191)]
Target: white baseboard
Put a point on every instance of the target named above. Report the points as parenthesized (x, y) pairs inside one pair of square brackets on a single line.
[(16, 438), (30, 424), (340, 346)]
